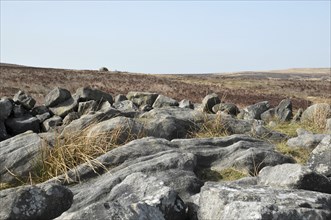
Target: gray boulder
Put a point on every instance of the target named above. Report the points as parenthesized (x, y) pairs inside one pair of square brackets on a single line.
[(235, 201), (297, 116), (209, 101), (284, 110), (32, 202), (56, 97), (228, 108), (119, 98), (164, 101), (103, 69), (86, 107), (269, 115), (39, 110), (186, 104), (306, 140), (236, 126), (22, 124), (142, 98), (87, 94), (6, 107), (19, 111), (43, 117), (294, 176), (262, 132), (319, 159), (317, 113), (19, 155), (24, 99), (51, 123), (3, 132), (255, 111), (125, 105), (65, 107), (70, 117)]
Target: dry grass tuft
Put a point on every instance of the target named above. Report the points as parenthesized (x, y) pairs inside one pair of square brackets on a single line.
[(300, 155), (228, 174), (209, 128)]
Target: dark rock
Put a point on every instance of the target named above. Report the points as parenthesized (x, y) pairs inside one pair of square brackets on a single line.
[(22, 124), (125, 105), (51, 123), (228, 108), (24, 99), (31, 202), (186, 104), (294, 176), (19, 111), (262, 132), (19, 155), (88, 106), (70, 117), (56, 97), (255, 111), (234, 201), (236, 126), (320, 157), (284, 110), (43, 117), (119, 98), (209, 101), (6, 107), (39, 110), (3, 132), (328, 126), (269, 115), (87, 94), (103, 69), (164, 101), (306, 140), (297, 116), (145, 108), (65, 107), (142, 98)]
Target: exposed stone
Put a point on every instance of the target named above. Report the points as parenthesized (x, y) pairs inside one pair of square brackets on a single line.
[(6, 107), (209, 101), (43, 117), (19, 111), (142, 98), (164, 101), (31, 202), (22, 124), (19, 155), (317, 113), (3, 132), (51, 123), (294, 176), (284, 110), (186, 104), (297, 116), (24, 99), (125, 105), (306, 140), (268, 115), (119, 98), (70, 117), (262, 132), (86, 107), (103, 69), (56, 97), (228, 108), (87, 94), (320, 157), (65, 107), (255, 111), (39, 110)]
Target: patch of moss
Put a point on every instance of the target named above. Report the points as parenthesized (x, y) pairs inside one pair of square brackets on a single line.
[(290, 128), (228, 174)]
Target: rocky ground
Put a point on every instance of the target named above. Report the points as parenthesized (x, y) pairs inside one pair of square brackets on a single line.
[(145, 155)]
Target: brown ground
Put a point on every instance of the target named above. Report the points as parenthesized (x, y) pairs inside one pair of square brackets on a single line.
[(304, 86)]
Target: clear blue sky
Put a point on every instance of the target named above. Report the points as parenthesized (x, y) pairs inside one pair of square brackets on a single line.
[(167, 37)]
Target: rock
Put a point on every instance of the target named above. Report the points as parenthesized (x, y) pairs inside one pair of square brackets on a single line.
[(317, 113), (56, 97), (255, 111), (301, 131), (262, 132), (87, 94), (86, 107), (209, 101), (142, 98), (119, 98), (103, 69), (186, 104), (284, 110), (22, 124), (145, 108), (236, 126), (297, 116), (3, 132), (19, 155), (125, 105), (19, 111), (328, 126), (6, 107), (24, 99), (32, 202), (234, 201), (306, 140), (164, 101), (269, 115), (70, 117), (228, 108), (294, 176), (39, 110), (51, 123), (65, 107), (137, 197), (43, 117), (319, 159)]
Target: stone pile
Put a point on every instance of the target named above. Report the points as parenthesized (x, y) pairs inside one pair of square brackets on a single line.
[(157, 176)]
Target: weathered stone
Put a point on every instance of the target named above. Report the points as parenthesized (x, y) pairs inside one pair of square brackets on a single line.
[(255, 111), (31, 202), (268, 115), (39, 110), (262, 132), (186, 104), (228, 108), (306, 140), (22, 124), (51, 123), (24, 99), (19, 111), (70, 117), (317, 113), (236, 126), (86, 107), (320, 157), (284, 110), (294, 176), (19, 155), (43, 117), (3, 132), (234, 201), (164, 101), (209, 101), (65, 107), (103, 69), (297, 116), (56, 97), (6, 107), (87, 94), (142, 98), (119, 98), (328, 126), (125, 105)]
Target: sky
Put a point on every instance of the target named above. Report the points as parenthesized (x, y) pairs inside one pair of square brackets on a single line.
[(166, 36)]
